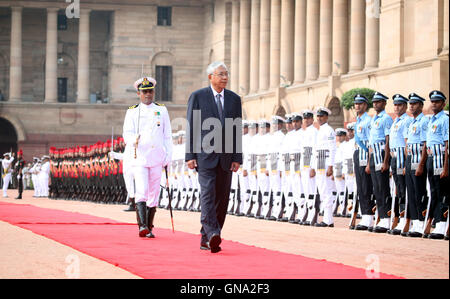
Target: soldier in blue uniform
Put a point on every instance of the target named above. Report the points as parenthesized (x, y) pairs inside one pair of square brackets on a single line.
[(397, 146), (415, 173), (437, 165), (360, 160), (379, 157)]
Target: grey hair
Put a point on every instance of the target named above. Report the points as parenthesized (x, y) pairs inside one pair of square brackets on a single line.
[(214, 66)]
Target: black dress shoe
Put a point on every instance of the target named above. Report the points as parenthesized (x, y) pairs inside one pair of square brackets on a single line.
[(370, 229), (323, 224), (394, 232), (379, 229), (150, 235), (436, 236), (214, 243), (206, 247), (352, 227), (414, 234), (361, 227), (446, 238)]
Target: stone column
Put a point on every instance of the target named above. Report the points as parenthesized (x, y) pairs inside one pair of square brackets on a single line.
[(287, 41), (83, 57), (312, 40), (51, 58), (275, 27), (244, 47), (300, 41), (234, 79), (255, 20), (326, 38), (340, 37), (15, 71), (446, 17), (264, 54), (372, 35), (357, 35)]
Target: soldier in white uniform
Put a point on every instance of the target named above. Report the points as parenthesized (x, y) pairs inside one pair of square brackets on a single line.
[(147, 128), (43, 176), (323, 161), (6, 172), (295, 148), (348, 168), (308, 180), (339, 174), (276, 142), (244, 171), (285, 167), (263, 142), (252, 162)]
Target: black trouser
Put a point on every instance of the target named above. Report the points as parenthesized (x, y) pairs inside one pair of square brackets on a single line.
[(215, 187), (438, 189), (417, 190), (20, 185), (400, 186), (364, 186), (381, 190)]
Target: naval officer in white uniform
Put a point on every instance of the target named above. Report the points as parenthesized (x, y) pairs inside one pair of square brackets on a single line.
[(147, 129)]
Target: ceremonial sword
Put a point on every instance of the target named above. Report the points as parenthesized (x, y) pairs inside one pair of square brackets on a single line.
[(170, 197)]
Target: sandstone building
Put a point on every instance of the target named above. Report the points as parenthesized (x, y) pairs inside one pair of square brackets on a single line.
[(67, 70)]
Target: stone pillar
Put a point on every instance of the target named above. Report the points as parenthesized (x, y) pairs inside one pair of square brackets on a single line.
[(83, 57), (357, 35), (326, 38), (340, 37), (255, 20), (15, 71), (264, 54), (234, 79), (51, 58), (275, 27), (446, 33), (287, 41), (372, 35), (244, 47), (312, 40), (300, 41)]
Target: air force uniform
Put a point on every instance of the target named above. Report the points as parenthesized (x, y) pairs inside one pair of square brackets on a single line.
[(437, 139), (380, 127)]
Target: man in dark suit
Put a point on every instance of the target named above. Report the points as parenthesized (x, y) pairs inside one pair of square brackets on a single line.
[(213, 147)]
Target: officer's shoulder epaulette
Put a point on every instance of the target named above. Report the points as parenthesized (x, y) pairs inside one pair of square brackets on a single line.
[(134, 106), (159, 104)]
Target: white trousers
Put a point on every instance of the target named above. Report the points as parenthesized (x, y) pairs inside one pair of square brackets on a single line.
[(325, 186), (6, 181), (147, 181), (308, 183), (128, 177)]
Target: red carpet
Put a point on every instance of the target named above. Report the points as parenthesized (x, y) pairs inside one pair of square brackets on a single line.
[(169, 255)]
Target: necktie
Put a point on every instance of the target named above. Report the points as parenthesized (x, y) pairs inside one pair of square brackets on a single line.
[(219, 107)]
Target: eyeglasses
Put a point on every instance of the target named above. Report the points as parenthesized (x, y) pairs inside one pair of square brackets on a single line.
[(222, 75)]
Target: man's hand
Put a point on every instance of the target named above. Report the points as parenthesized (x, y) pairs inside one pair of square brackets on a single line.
[(368, 169), (419, 170), (235, 166), (192, 164), (330, 171), (245, 172), (444, 173), (384, 167), (312, 173)]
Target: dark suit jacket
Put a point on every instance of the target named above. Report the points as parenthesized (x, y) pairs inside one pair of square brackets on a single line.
[(202, 107)]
